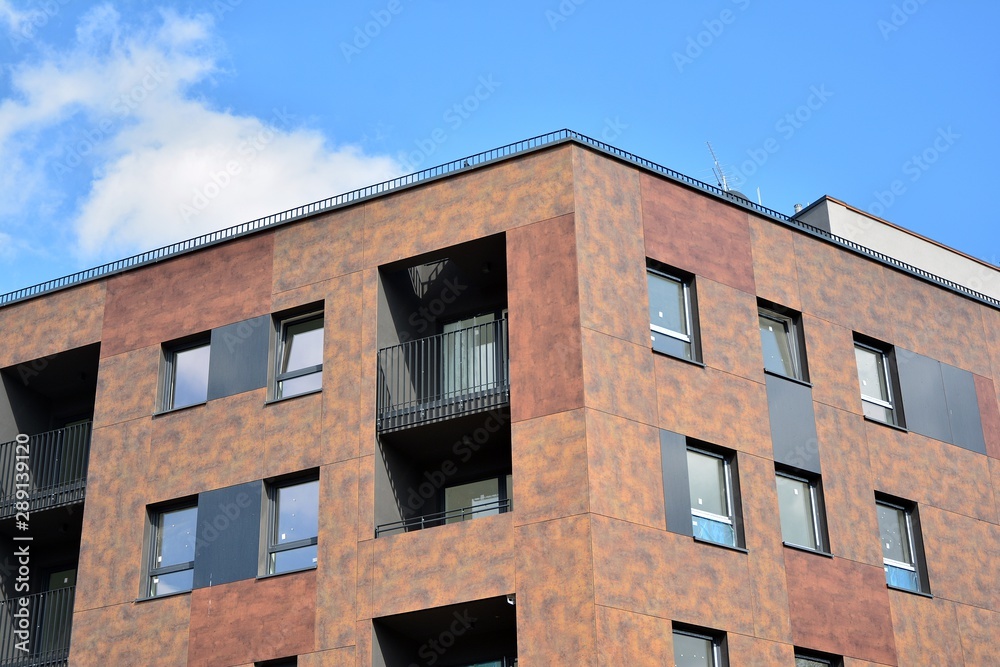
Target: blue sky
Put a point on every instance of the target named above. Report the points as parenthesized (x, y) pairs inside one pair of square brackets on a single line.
[(128, 125)]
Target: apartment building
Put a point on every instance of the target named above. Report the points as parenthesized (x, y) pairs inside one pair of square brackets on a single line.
[(553, 404)]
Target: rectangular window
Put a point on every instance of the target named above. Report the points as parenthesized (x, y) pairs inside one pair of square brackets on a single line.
[(185, 374), (672, 325), (800, 503), (876, 373), (813, 659), (172, 548), (781, 342), (713, 501), (477, 499), (698, 648), (901, 550), (470, 356), (293, 525), (299, 355)]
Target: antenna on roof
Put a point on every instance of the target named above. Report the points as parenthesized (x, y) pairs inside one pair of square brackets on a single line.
[(720, 175)]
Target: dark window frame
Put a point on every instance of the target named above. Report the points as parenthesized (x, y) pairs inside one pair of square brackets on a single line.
[(887, 356), (151, 570), (734, 499), (818, 656), (720, 644), (915, 542), (505, 494), (693, 336), (269, 520), (282, 321), (796, 337), (168, 369), (820, 527)]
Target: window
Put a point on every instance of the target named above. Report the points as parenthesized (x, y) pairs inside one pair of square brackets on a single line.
[(172, 548), (815, 659), (901, 548), (781, 342), (801, 506), (185, 376), (477, 499), (293, 525), (877, 377), (671, 314), (471, 359), (713, 501), (299, 355), (698, 648)]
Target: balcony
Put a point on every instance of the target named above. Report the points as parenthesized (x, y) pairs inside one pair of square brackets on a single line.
[(489, 508), (40, 637), (448, 375), (57, 463)]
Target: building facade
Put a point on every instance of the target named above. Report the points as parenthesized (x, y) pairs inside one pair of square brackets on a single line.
[(550, 405)]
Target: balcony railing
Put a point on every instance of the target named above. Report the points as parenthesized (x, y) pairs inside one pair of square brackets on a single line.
[(56, 466), (441, 518), (443, 376), (39, 637)]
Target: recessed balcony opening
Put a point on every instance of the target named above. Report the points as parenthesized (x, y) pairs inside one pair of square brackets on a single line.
[(444, 473), (481, 633), (442, 335)]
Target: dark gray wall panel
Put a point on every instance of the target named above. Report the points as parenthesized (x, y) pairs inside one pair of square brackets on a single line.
[(963, 409), (239, 357), (676, 490), (793, 424), (925, 409), (228, 535)]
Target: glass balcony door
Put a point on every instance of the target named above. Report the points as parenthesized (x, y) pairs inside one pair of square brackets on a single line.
[(469, 355)]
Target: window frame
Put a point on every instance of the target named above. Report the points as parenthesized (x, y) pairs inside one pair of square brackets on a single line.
[(269, 519), (168, 366), (819, 527), (827, 659), (733, 500), (152, 571), (282, 322), (887, 364), (914, 542), (689, 301), (720, 650), (792, 322), (504, 503)]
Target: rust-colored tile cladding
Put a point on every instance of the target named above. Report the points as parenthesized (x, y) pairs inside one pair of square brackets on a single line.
[(986, 394), (123, 635), (253, 620), (636, 640), (839, 606), (50, 324)]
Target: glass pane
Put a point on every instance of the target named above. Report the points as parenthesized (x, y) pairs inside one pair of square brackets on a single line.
[(297, 512), (871, 374), (877, 412), (900, 577), (810, 662), (670, 345), (303, 345), (713, 531), (774, 338), (895, 534), (707, 477), (171, 583), (469, 351), (693, 651), (300, 385), (478, 499), (666, 303), (191, 376), (175, 537), (293, 559), (796, 506)]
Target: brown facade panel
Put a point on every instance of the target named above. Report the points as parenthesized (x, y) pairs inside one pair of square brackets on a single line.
[(730, 335), (712, 406), (962, 554), (775, 275), (207, 447), (549, 457), (480, 203), (132, 634), (188, 294), (127, 386), (980, 630), (52, 324), (636, 640), (343, 367), (695, 233), (610, 248), (612, 369), (544, 304), (318, 249), (926, 630), (930, 472), (763, 540), (624, 470), (339, 657), (841, 607), (833, 370), (670, 576), (843, 288), (848, 488), (252, 620), (556, 615), (368, 382), (365, 579), (366, 498), (444, 565), (338, 556), (988, 411), (754, 652), (293, 436)]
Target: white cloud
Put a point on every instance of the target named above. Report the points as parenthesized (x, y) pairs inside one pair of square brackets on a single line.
[(138, 160)]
